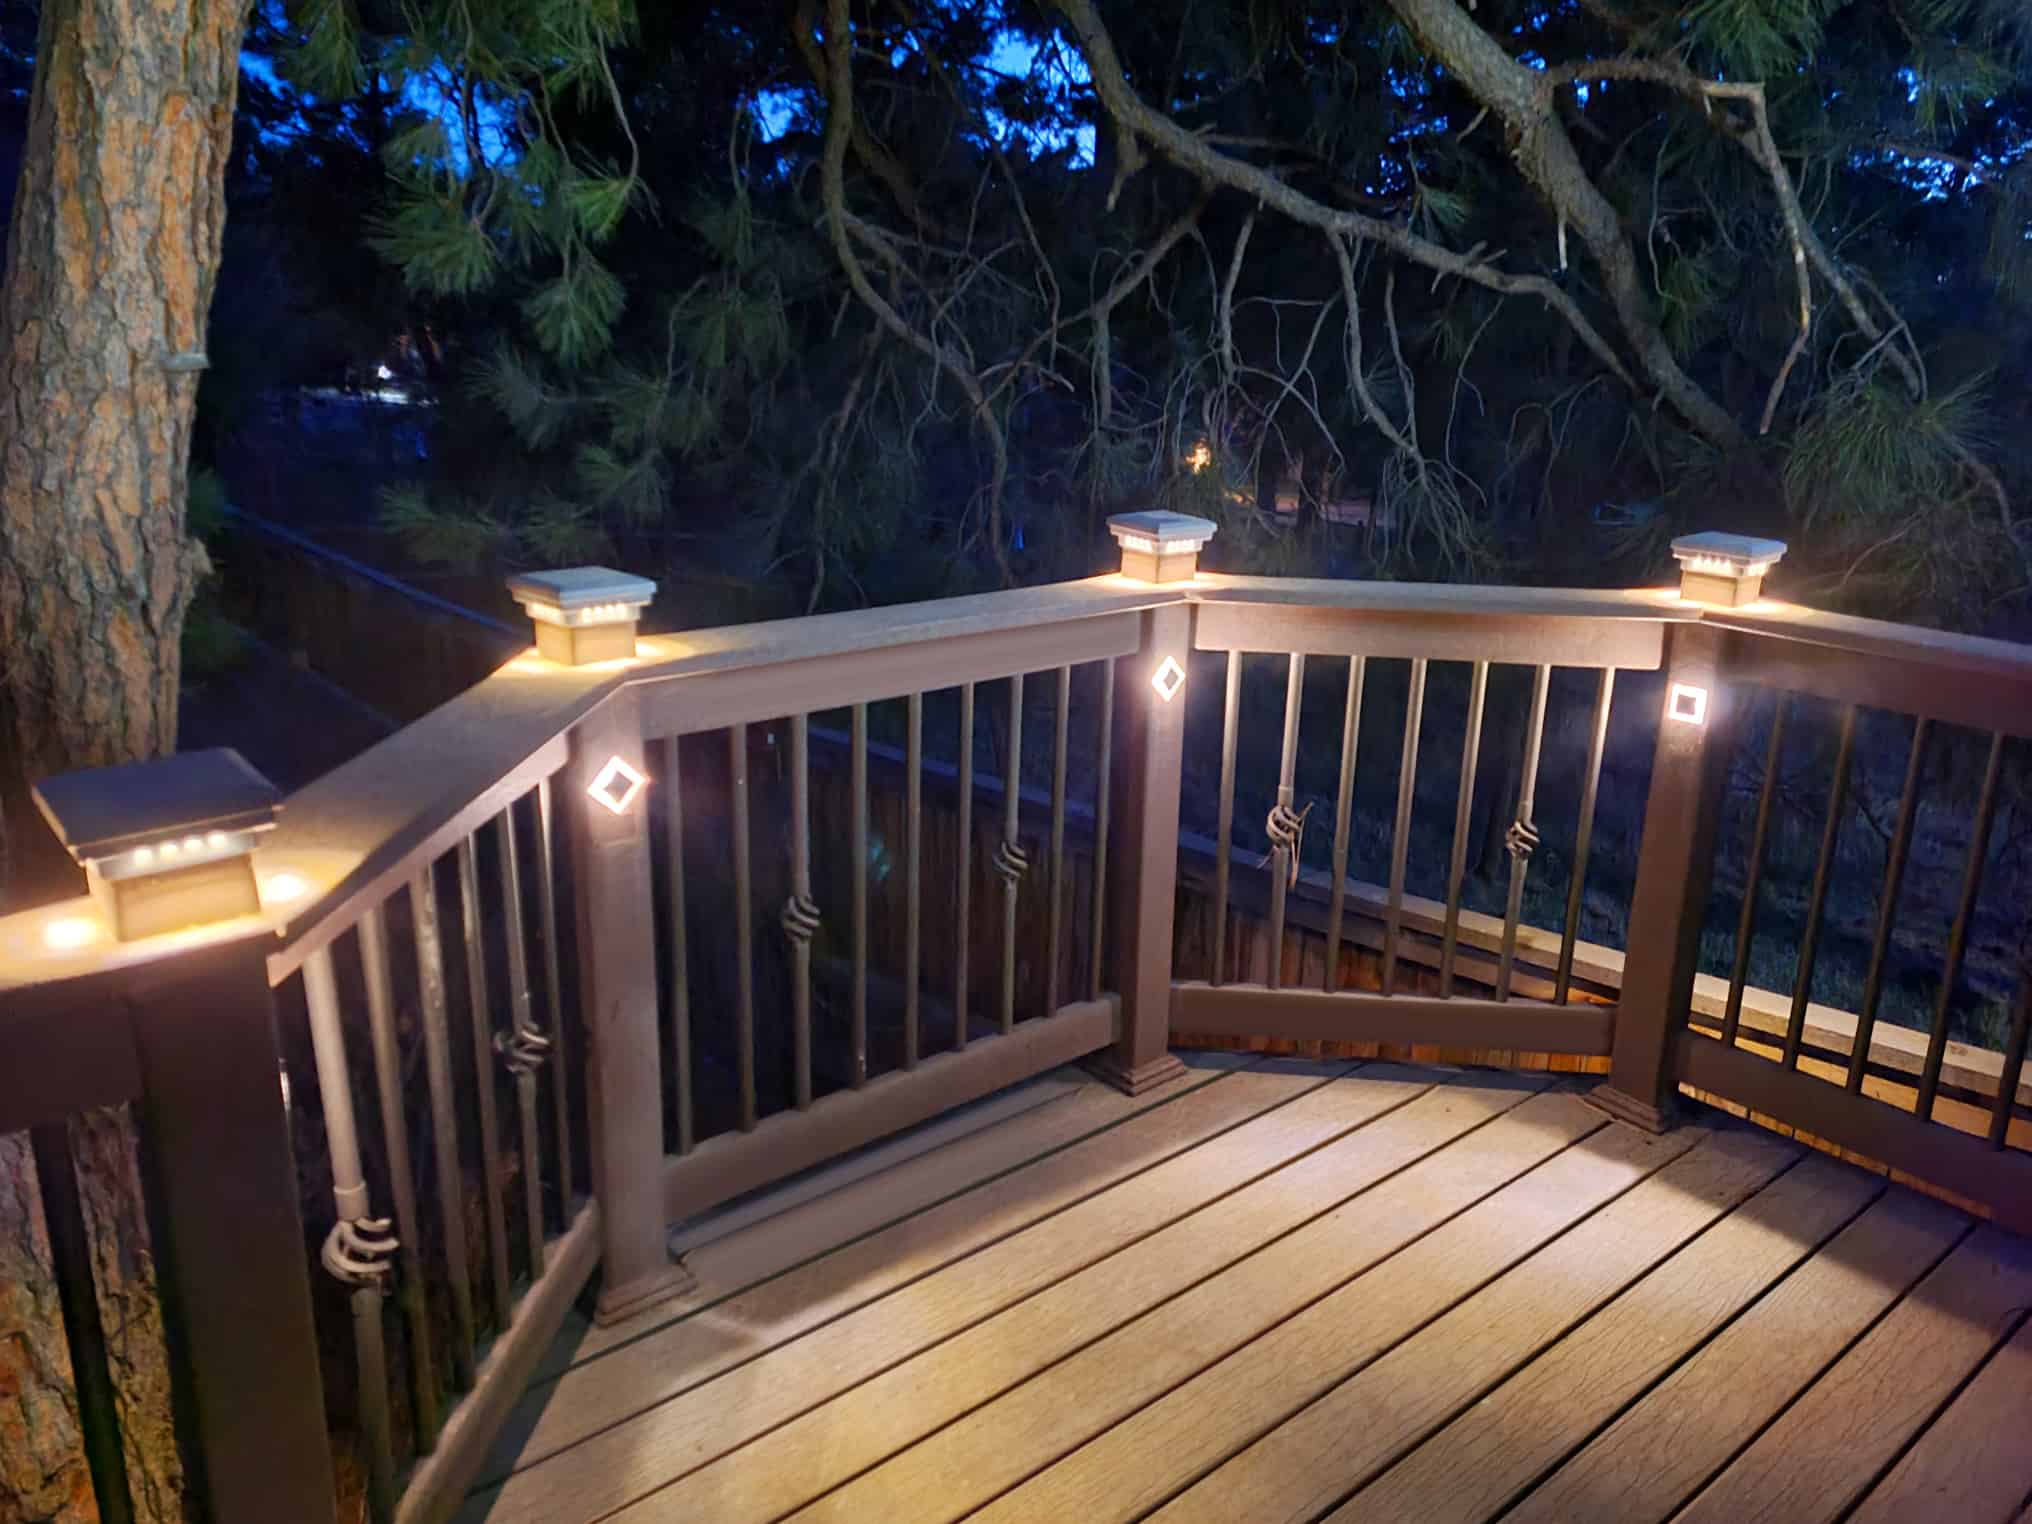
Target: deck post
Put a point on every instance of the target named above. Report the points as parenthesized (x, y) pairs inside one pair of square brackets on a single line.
[(235, 1278), (602, 796), (1145, 767), (1674, 866)]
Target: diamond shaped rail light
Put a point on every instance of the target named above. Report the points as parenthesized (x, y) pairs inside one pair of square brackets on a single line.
[(1726, 570), (1159, 546), (583, 613), (617, 785), (1168, 679)]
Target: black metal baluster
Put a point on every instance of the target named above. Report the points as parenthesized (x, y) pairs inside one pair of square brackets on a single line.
[(1760, 836), (1598, 737), (1957, 940), (1463, 815), (1894, 879), (1823, 872)]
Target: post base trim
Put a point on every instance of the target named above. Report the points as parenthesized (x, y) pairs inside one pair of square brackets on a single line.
[(617, 1304), (1627, 1108), (1143, 1078)]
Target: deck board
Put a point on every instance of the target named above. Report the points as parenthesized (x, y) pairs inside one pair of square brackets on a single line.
[(1975, 1463), (1815, 1461), (1154, 1452), (1491, 1453), (1310, 1462), (1654, 1457), (860, 1428), (1301, 1291), (657, 1413)]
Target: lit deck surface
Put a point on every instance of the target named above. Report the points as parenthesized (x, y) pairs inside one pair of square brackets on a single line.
[(1295, 1291)]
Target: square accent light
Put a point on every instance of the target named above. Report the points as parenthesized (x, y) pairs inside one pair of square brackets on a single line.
[(1686, 704), (1168, 679), (617, 785)]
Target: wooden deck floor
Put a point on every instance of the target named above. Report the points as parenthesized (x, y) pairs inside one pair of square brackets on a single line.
[(1296, 1291)]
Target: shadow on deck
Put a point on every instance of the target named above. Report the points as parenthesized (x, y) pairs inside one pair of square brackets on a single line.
[(1287, 1290)]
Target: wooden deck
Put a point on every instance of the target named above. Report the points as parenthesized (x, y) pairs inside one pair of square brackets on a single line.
[(1293, 1291)]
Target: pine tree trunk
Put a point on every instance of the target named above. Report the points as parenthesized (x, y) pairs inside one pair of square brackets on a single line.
[(111, 260), (110, 264)]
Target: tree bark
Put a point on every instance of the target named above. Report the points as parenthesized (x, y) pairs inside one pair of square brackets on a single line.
[(1546, 157), (111, 260)]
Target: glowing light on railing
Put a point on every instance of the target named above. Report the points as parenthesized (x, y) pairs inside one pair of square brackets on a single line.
[(283, 888), (616, 786), (1168, 679), (70, 933), (1686, 704)]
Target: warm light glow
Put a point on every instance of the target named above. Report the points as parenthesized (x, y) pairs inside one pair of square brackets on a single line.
[(617, 785), (1723, 566), (282, 888), (1168, 679), (143, 856), (1687, 704), (578, 619), (1201, 457), (216, 841), (169, 849), (194, 844), (70, 933)]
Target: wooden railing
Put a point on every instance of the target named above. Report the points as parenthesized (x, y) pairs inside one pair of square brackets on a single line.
[(883, 863)]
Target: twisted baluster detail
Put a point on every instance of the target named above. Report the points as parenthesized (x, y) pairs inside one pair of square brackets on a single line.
[(357, 1253), (1011, 862), (800, 919), (1521, 840), (524, 1050)]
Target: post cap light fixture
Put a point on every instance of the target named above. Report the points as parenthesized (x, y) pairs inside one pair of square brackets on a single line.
[(1160, 547), (583, 613), (165, 844), (1726, 570)]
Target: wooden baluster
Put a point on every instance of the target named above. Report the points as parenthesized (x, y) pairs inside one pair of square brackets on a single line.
[(1675, 864), (401, 1176), (1598, 737), (2013, 1072), (744, 923), (1760, 836), (1284, 826), (617, 972), (1463, 813), (444, 1120), (1400, 837), (1344, 800), (1143, 856)]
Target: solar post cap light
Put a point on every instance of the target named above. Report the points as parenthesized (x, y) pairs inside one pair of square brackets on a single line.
[(165, 844), (583, 613), (1160, 546), (1726, 570)]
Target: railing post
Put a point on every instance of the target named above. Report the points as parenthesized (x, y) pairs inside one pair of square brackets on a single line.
[(235, 1278), (1674, 866), (1149, 749), (617, 980)]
